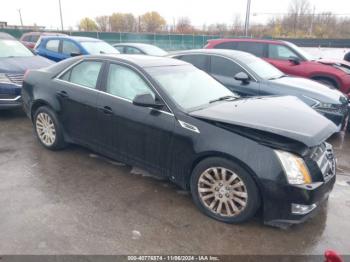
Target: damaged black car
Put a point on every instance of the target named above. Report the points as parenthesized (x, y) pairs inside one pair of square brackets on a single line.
[(236, 155)]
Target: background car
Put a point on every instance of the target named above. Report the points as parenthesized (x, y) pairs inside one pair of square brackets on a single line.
[(174, 120), (57, 48), (248, 75), (30, 39), (15, 59), (140, 49), (292, 60)]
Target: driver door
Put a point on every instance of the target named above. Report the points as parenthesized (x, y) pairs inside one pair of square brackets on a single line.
[(137, 135), (224, 70), (279, 56)]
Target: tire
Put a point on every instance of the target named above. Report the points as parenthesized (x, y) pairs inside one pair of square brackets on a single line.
[(46, 123), (224, 192)]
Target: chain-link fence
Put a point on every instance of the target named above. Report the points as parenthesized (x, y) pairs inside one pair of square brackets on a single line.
[(182, 41)]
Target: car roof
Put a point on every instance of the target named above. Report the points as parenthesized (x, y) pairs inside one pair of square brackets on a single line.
[(142, 61), (6, 36), (253, 40), (133, 44), (76, 38), (234, 54)]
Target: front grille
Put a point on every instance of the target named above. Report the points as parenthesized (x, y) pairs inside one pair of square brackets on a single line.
[(16, 78), (324, 157), (339, 109)]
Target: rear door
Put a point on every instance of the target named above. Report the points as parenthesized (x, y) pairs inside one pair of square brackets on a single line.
[(224, 70), (51, 49), (279, 55), (77, 93)]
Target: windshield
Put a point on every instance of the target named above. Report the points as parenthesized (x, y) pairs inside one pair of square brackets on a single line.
[(188, 87), (303, 53), (262, 68), (153, 50), (13, 48), (99, 47)]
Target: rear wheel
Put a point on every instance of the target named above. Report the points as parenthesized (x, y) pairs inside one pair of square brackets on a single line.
[(48, 129), (224, 191)]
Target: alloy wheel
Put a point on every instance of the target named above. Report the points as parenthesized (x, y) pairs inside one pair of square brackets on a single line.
[(45, 129), (222, 191)]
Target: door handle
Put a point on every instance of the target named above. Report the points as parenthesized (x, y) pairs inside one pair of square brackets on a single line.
[(107, 110), (62, 94)]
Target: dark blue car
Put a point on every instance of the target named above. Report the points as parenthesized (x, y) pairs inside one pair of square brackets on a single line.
[(15, 59), (58, 48)]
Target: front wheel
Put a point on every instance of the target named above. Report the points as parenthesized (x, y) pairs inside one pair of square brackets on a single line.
[(224, 191), (48, 129)]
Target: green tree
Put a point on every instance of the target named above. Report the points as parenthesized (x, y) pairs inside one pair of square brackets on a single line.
[(87, 24), (152, 22)]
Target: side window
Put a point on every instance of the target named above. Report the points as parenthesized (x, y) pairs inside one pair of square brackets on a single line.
[(125, 82), (253, 48), (281, 52), (199, 61), (26, 38), (227, 45), (224, 67), (85, 74), (53, 45), (132, 50), (69, 47), (120, 49)]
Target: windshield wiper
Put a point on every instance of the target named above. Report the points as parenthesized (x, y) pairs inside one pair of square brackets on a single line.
[(223, 98)]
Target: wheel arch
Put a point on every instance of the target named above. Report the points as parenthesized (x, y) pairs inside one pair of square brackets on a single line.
[(332, 79)]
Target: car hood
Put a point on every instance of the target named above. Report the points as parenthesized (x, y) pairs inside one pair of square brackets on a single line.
[(21, 64), (334, 62), (283, 116), (308, 88)]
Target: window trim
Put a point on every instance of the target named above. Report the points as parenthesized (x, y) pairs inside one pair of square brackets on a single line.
[(103, 83), (99, 78)]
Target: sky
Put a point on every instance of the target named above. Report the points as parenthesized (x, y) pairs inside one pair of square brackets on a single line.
[(46, 12)]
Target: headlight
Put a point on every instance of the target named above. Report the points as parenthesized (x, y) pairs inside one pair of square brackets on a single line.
[(324, 106), (4, 79), (294, 167)]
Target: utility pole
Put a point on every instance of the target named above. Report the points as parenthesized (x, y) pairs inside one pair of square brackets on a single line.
[(247, 16), (59, 2), (20, 16)]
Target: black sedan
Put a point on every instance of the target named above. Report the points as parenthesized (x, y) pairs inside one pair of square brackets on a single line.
[(164, 115), (15, 59), (248, 75)]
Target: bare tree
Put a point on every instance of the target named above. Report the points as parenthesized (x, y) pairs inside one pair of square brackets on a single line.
[(183, 25), (103, 23)]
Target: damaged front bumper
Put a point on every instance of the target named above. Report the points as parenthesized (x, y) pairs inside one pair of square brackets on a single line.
[(293, 204)]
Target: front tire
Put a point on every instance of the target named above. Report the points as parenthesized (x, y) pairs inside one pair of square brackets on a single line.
[(48, 129), (224, 190)]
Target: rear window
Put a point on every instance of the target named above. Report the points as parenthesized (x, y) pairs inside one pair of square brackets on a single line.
[(53, 45)]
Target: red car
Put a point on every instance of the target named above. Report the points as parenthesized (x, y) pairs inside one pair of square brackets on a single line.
[(292, 60), (30, 39)]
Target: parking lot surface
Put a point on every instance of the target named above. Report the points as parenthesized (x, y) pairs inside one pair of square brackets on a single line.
[(76, 202)]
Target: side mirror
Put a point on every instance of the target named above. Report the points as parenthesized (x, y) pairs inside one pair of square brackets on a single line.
[(295, 60), (241, 76), (75, 54), (147, 100)]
